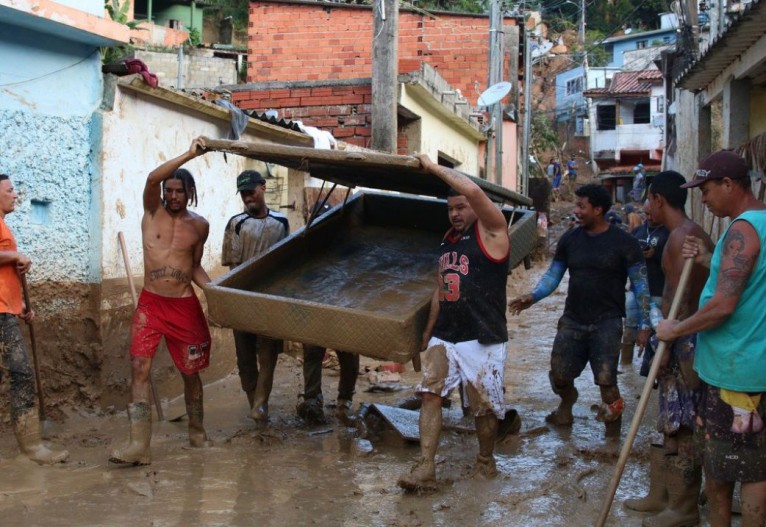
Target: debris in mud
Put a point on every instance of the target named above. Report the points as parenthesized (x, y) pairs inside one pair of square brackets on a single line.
[(142, 488), (387, 387), (248, 437)]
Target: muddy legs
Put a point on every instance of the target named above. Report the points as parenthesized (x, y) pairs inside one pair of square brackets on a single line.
[(562, 415), (422, 476), (627, 345), (194, 410), (486, 432)]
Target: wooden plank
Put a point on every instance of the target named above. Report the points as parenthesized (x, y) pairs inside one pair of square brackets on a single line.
[(360, 169)]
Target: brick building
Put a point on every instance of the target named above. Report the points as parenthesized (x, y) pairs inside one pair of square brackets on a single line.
[(312, 61)]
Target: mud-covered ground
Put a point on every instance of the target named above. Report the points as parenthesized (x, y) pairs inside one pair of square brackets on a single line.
[(291, 474)]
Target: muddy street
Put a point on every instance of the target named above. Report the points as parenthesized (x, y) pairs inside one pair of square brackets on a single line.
[(290, 474)]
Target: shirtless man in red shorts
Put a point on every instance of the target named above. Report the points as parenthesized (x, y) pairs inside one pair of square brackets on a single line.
[(173, 240)]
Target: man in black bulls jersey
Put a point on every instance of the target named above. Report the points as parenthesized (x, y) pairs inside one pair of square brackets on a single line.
[(465, 338), (600, 258)]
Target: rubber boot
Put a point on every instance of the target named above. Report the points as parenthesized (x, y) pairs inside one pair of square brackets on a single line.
[(267, 361), (627, 345), (343, 411), (27, 429), (422, 476), (137, 450), (197, 434), (683, 479), (657, 498), (563, 414)]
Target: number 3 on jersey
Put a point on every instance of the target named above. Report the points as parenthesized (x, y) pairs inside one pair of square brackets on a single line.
[(450, 289)]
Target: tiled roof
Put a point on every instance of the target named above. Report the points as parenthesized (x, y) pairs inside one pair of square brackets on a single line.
[(628, 83)]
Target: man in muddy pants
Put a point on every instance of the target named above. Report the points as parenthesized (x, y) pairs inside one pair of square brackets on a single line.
[(730, 356), (247, 235), (600, 258), (466, 336), (311, 409), (14, 359), (173, 240), (675, 471)]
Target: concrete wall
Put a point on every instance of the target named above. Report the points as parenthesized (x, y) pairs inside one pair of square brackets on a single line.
[(140, 133), (47, 137), (439, 136), (200, 68)]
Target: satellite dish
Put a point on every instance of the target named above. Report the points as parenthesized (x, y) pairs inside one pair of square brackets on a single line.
[(494, 93)]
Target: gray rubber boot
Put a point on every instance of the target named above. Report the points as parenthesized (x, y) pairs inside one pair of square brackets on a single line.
[(657, 498), (683, 478), (27, 429), (137, 451)]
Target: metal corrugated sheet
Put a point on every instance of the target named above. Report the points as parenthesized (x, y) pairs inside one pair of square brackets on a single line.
[(628, 83), (743, 31)]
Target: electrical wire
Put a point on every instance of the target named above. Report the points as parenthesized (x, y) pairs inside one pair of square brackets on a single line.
[(50, 72)]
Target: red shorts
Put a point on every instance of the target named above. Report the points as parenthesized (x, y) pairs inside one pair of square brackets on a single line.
[(182, 323)]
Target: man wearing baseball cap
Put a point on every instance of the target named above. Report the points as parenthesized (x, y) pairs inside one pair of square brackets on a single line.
[(247, 235), (731, 343)]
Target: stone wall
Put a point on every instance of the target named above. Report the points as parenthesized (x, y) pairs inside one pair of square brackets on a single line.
[(201, 69)]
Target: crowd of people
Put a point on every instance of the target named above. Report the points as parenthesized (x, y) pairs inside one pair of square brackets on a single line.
[(711, 381)]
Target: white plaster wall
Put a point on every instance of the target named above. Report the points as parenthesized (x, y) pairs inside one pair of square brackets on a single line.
[(437, 135), (139, 134)]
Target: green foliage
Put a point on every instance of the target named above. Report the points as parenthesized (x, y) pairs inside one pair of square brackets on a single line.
[(544, 137), (238, 10), (194, 37), (118, 12), (597, 55)]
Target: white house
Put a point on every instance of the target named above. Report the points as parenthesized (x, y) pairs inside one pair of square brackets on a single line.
[(626, 121)]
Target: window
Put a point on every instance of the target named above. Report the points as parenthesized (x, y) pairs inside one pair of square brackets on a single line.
[(641, 44), (641, 113), (606, 117), (574, 86)]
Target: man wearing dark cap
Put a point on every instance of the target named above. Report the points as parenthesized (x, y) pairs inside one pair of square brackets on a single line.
[(247, 235), (730, 356)]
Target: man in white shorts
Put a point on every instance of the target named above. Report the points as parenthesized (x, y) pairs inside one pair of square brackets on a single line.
[(465, 338)]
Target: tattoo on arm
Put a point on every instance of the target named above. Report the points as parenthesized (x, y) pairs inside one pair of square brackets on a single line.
[(737, 264)]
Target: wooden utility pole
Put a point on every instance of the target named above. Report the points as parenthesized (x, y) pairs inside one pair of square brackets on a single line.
[(385, 82)]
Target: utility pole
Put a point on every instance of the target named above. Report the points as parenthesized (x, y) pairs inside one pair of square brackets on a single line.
[(527, 130), (581, 33), (385, 81), (495, 138)]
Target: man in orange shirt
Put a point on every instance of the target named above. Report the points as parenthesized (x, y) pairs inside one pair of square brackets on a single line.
[(13, 354)]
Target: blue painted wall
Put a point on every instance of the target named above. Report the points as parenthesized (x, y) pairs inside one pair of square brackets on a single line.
[(566, 103), (49, 91), (619, 45)]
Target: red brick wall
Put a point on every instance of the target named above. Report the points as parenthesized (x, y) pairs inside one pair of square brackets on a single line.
[(310, 42), (344, 111)]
